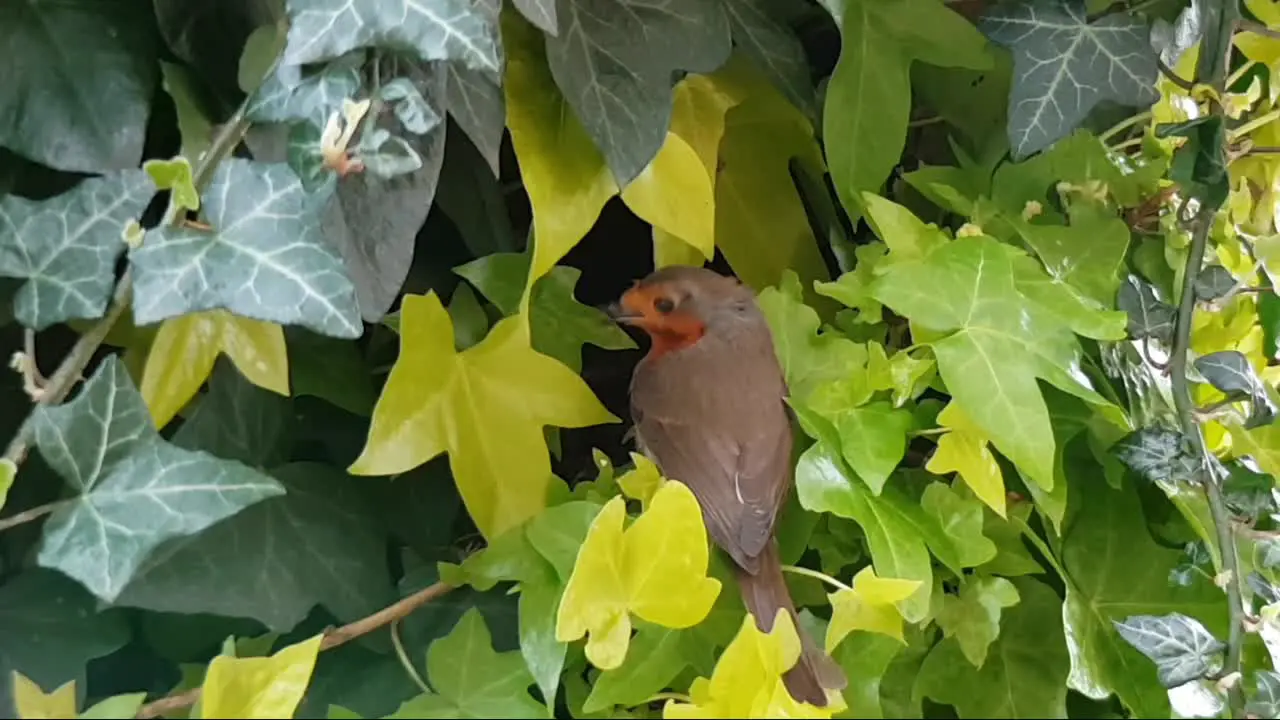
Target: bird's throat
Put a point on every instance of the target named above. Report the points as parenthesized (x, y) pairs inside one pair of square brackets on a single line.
[(673, 337)]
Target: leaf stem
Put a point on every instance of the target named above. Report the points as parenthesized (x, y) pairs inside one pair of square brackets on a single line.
[(816, 574), (30, 514), (1124, 125), (73, 365), (678, 697), (332, 639), (403, 656), (1211, 70)]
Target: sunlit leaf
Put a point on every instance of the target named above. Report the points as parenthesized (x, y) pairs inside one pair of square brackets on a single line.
[(259, 687), (869, 605), (972, 616), (33, 703)]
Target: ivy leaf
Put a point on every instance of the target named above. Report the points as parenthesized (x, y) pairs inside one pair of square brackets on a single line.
[(1180, 646), (471, 680), (84, 111), (185, 351), (1087, 254), (441, 30), (1159, 455), (294, 93), (541, 13), (52, 628), (963, 450), (897, 546), (1200, 164), (868, 604), (1149, 317), (1266, 701), (621, 89), (657, 656), (564, 173), (853, 289), (774, 47), (265, 257), (972, 617), (497, 451), (33, 702), (1030, 654), (873, 439), (477, 104), (747, 680), (1230, 372), (1114, 570), (104, 445), (995, 343), (125, 705), (1064, 65), (809, 358), (1173, 40), (865, 659), (66, 247), (543, 654), (961, 519), (259, 687), (559, 324), (638, 571), (175, 175), (8, 472), (1213, 282)]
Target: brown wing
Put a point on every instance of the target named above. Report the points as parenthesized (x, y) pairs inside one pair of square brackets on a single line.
[(733, 451)]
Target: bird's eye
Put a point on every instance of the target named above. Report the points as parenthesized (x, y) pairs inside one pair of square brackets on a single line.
[(663, 305)]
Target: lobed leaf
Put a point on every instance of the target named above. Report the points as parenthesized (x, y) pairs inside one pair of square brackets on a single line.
[(1180, 646)]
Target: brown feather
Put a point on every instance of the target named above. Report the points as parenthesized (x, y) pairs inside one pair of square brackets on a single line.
[(708, 408)]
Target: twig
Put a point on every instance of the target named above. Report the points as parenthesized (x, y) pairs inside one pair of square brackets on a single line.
[(30, 514), (1173, 77), (1257, 28), (332, 639), (72, 367), (1211, 69)]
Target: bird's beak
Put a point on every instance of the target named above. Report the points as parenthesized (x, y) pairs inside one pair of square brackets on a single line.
[(622, 315)]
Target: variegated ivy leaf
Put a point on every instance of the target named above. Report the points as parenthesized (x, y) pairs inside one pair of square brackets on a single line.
[(479, 107), (1064, 65), (265, 256), (133, 489), (434, 29), (66, 247), (1149, 316), (1181, 647), (296, 93), (1230, 372)]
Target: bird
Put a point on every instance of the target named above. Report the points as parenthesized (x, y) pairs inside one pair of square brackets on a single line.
[(708, 408)]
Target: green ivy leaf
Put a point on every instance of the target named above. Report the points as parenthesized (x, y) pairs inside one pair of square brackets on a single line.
[(265, 257), (774, 47), (865, 658), (1030, 654), (1201, 162), (538, 605), (471, 680), (66, 247), (1064, 65), (104, 445), (1087, 254), (1265, 701), (51, 629), (118, 706), (559, 324), (1213, 282), (1160, 455), (809, 358), (961, 519), (477, 104), (656, 657), (1230, 372), (294, 93), (1114, 570), (621, 89), (447, 29), (79, 80), (174, 175), (853, 289), (972, 616), (1182, 649), (996, 340), (1149, 316)]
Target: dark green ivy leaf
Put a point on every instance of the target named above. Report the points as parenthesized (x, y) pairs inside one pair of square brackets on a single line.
[(1180, 646), (1200, 163), (1149, 317), (1064, 65), (1265, 701), (1213, 282), (1230, 372), (295, 92), (1159, 455)]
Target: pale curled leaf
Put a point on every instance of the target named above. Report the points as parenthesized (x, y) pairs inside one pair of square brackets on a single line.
[(434, 30), (1180, 646), (265, 258), (1064, 65), (134, 490), (65, 247)]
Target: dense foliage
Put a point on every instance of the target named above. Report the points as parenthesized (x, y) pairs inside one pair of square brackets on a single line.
[(337, 427)]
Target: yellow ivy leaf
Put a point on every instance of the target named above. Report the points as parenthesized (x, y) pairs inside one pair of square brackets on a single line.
[(964, 450), (259, 687), (185, 348), (870, 604), (747, 679), (674, 193), (1262, 443), (657, 569), (671, 250), (761, 224), (1256, 47), (564, 173), (31, 702), (8, 472), (642, 481), (439, 400)]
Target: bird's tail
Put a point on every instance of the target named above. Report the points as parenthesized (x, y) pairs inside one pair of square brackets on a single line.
[(765, 592)]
